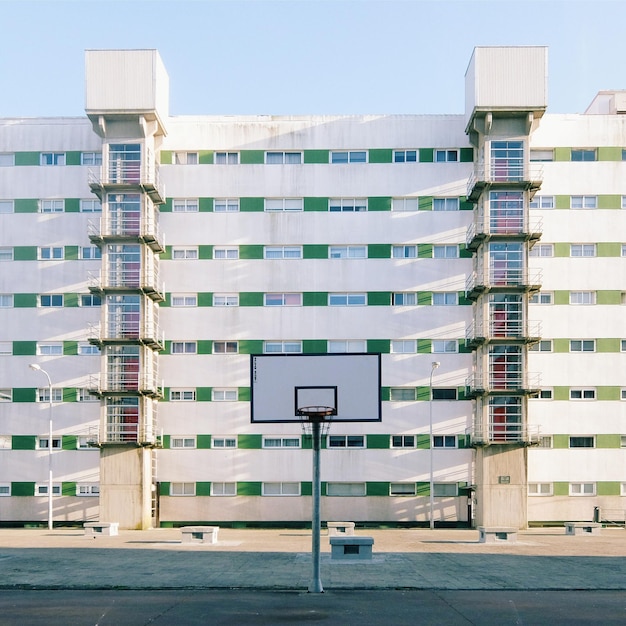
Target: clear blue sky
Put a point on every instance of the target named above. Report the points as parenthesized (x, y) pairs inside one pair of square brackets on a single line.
[(306, 56)]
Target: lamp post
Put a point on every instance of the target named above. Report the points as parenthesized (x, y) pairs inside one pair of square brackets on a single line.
[(37, 368), (434, 366)]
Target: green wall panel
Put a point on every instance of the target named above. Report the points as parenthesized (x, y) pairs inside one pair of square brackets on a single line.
[(25, 300), (422, 489), (166, 446), (250, 346), (166, 207), (203, 489), (27, 158), (382, 346), (316, 204), (422, 441), (314, 346), (306, 488), (251, 298), (165, 157), (203, 442), (560, 345), (71, 253), (251, 252), (424, 346), (205, 205), (560, 441), (464, 253), (250, 205), (315, 298), (23, 442), (380, 155), (608, 488), (378, 298), (378, 442), (250, 442), (464, 205), (606, 344), (243, 394), (25, 253), (608, 297), (252, 157), (609, 153), (376, 488), (204, 394), (69, 394), (561, 249), (561, 297), (560, 393), (204, 346), (205, 298), (71, 300), (425, 250), (316, 156), (427, 155), (560, 488), (205, 252), (608, 441), (608, 393), (466, 155), (73, 157), (72, 205), (24, 348), (315, 251), (561, 202), (22, 489), (424, 298), (68, 489), (379, 251), (422, 393), (205, 157), (562, 154), (384, 394), (608, 201), (26, 205), (24, 394), (249, 489), (379, 203), (425, 203), (609, 249)]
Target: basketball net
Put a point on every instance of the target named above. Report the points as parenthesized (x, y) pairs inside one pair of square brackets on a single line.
[(321, 415)]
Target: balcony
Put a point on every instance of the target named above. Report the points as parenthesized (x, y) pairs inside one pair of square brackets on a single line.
[(483, 178), (504, 382), (128, 331), (504, 433), (513, 227), (125, 383), (127, 226), (502, 279), (127, 279), (502, 331)]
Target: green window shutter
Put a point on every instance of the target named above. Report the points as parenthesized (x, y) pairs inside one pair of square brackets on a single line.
[(315, 298), (69, 394), (561, 202), (560, 393), (316, 204), (609, 201), (205, 298), (380, 155), (167, 207), (378, 298), (205, 157), (72, 205), (22, 489), (205, 205), (203, 442), (379, 251), (73, 157), (423, 393), (307, 443), (608, 345), (306, 488), (251, 298), (315, 251), (165, 157), (25, 300), (608, 297), (205, 253), (466, 155), (561, 297), (243, 394), (316, 156), (608, 441), (424, 346), (250, 346), (24, 348), (166, 444), (24, 394), (608, 393), (378, 442), (252, 157), (379, 203), (249, 489), (71, 253), (249, 205), (164, 488), (560, 441), (314, 346), (609, 153), (23, 442), (422, 442), (26, 205), (425, 298), (376, 489), (425, 203), (203, 489), (427, 155), (609, 249), (562, 154), (204, 346), (382, 346), (561, 249), (251, 252), (425, 250), (25, 253), (70, 300), (27, 158), (423, 489), (250, 442), (385, 394), (608, 488), (203, 394), (560, 345), (68, 489), (560, 488)]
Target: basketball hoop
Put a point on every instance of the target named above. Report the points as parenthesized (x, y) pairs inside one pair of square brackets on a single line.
[(315, 415)]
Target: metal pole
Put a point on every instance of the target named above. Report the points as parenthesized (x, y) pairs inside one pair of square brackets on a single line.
[(316, 582), (434, 366)]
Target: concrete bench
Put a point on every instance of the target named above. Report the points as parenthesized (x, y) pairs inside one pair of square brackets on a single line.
[(199, 534), (351, 547), (582, 528), (340, 528), (93, 529), (497, 534)]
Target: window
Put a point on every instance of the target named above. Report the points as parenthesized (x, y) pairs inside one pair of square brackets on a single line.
[(226, 158), (442, 346), (226, 252), (405, 156), (280, 489), (223, 489), (7, 159), (445, 252), (405, 346), (185, 205), (507, 161), (582, 297), (281, 442), (351, 156), (6, 348), (224, 395), (446, 156), (542, 202), (404, 204), (582, 249), (5, 489), (189, 299), (346, 441), (186, 254), (84, 442), (545, 394), (448, 393), (91, 158), (445, 204), (52, 206), (43, 443), (282, 252), (347, 345), (539, 489), (541, 297), (185, 158), (87, 490), (404, 252), (623, 441), (282, 347), (51, 300), (444, 441), (283, 158), (86, 349), (402, 441), (623, 249), (88, 253), (402, 394), (284, 204), (545, 345), (6, 206), (52, 158), (347, 205), (445, 298), (51, 253), (581, 442), (404, 299), (445, 490), (225, 299), (6, 395), (223, 442), (623, 394), (90, 206), (182, 489), (623, 201), (347, 252), (50, 349), (545, 441), (83, 395), (282, 299), (90, 299), (183, 347), (402, 489), (182, 442), (42, 489), (346, 489), (182, 395), (582, 394), (225, 347), (542, 155), (6, 253), (347, 299), (583, 202), (6, 300), (542, 250), (582, 345), (226, 205), (582, 489), (581, 154)]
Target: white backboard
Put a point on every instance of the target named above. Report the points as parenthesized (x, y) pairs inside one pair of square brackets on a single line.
[(282, 383)]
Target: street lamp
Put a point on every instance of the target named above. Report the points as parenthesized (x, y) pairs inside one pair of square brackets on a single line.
[(38, 368), (434, 366)]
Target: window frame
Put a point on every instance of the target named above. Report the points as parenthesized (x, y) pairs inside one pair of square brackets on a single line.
[(284, 487), (352, 156), (225, 439), (578, 489), (589, 392), (227, 343), (346, 442), (185, 205), (230, 205), (189, 300), (347, 299), (182, 394), (188, 347), (224, 394), (230, 253)]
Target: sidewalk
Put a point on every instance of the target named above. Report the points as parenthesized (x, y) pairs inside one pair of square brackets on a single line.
[(542, 559)]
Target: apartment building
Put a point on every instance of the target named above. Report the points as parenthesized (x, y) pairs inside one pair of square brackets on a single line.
[(146, 257)]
